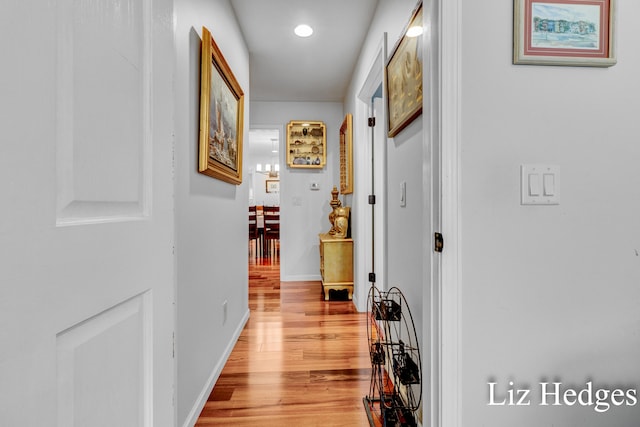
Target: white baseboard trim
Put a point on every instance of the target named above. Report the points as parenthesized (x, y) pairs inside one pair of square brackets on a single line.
[(217, 370), (301, 278)]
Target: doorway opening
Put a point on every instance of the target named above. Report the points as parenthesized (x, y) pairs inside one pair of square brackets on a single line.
[(263, 161)]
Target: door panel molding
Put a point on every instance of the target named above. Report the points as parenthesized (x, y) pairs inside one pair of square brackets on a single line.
[(103, 57), (104, 367)]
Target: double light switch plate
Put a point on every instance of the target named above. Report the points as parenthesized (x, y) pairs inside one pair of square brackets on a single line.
[(540, 185)]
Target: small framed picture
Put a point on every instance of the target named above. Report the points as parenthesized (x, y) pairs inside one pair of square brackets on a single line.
[(272, 185), (306, 144), (567, 32)]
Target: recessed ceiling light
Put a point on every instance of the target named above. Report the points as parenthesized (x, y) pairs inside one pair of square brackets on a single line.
[(415, 31), (303, 30)]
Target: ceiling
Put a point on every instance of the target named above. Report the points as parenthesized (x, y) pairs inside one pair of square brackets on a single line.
[(285, 67)]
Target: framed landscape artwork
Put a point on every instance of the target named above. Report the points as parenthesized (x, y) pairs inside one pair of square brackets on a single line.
[(567, 32), (221, 116), (404, 76)]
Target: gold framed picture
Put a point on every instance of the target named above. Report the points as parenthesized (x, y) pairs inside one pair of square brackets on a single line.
[(306, 144), (221, 116), (404, 76), (346, 155)]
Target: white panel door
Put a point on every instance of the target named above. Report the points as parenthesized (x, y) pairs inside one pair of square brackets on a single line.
[(86, 213)]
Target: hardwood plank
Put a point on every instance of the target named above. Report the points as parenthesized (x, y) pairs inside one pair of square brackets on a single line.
[(300, 361)]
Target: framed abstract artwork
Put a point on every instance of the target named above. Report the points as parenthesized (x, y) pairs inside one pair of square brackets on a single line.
[(564, 32), (221, 116)]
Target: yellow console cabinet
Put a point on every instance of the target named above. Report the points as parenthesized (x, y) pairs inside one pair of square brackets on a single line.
[(336, 264)]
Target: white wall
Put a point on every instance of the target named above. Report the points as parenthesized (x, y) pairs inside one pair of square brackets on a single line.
[(405, 225), (549, 292), (257, 180), (260, 195), (404, 164), (390, 18), (211, 222), (303, 212)]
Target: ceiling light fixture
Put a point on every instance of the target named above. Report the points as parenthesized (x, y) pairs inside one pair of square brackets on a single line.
[(303, 30), (415, 31)]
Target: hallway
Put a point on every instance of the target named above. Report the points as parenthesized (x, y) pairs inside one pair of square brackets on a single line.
[(300, 361)]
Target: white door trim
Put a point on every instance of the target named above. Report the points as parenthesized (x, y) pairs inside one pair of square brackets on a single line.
[(446, 292), (363, 223)]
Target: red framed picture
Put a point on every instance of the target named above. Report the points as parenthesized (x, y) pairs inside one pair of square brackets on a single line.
[(564, 32)]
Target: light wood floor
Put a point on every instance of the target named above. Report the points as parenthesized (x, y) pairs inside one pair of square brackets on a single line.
[(300, 361)]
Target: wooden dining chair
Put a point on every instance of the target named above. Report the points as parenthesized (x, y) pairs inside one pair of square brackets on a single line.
[(271, 230), (254, 237)]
